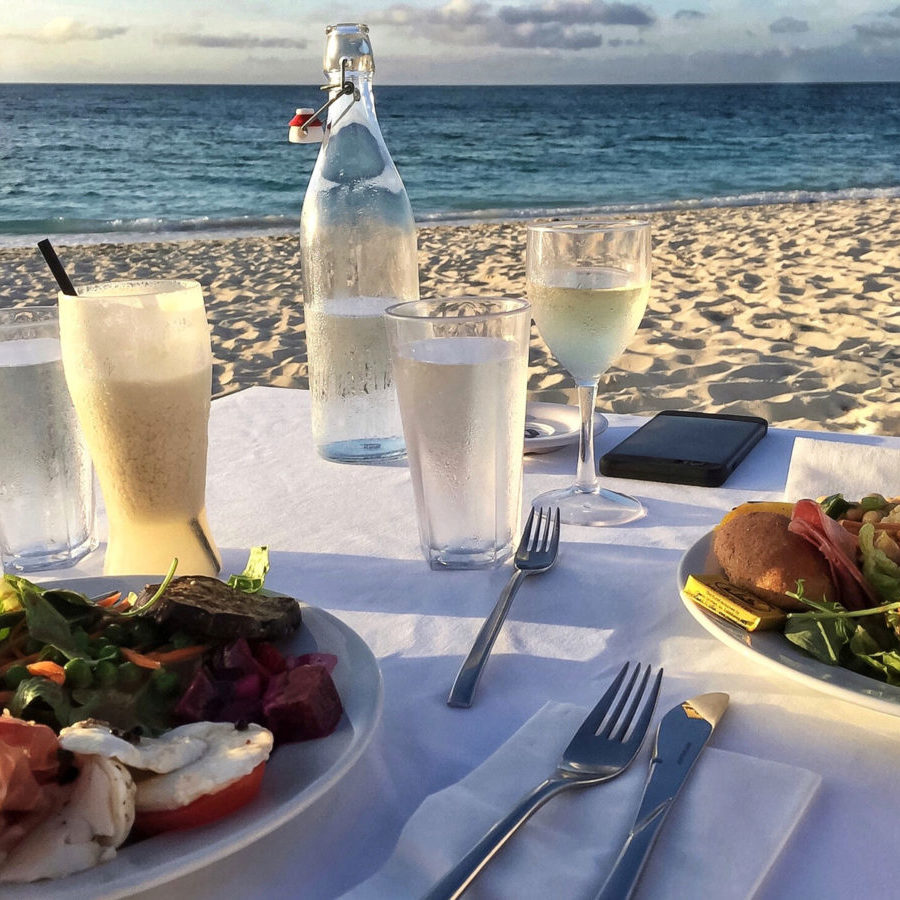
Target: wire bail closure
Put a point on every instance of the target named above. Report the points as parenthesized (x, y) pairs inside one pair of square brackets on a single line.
[(345, 86)]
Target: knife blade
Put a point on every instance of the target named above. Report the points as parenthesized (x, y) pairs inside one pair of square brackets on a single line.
[(682, 734)]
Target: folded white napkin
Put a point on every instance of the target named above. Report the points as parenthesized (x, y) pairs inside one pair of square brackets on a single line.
[(722, 836), (822, 467)]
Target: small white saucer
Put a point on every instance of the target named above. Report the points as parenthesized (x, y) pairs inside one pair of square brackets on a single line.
[(549, 426)]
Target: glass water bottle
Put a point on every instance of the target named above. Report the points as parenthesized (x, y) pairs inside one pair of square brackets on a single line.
[(358, 254)]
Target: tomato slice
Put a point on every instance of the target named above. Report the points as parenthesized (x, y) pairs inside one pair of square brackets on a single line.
[(203, 810)]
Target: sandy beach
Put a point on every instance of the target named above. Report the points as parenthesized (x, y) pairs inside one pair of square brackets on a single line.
[(789, 312)]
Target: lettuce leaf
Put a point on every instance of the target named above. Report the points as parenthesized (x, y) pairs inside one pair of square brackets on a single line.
[(878, 569), (252, 579)]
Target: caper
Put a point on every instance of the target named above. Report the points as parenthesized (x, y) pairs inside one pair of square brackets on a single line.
[(106, 673), (78, 673), (14, 676), (165, 683), (129, 675)]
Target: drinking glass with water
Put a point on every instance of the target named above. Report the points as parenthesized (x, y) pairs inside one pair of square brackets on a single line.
[(46, 478)]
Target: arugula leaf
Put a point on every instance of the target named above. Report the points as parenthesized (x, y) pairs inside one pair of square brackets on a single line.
[(51, 694), (143, 709), (822, 636), (251, 580), (45, 623)]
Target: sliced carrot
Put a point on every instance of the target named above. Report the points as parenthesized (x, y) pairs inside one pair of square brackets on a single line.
[(49, 669), (111, 600), (140, 659), (182, 654)]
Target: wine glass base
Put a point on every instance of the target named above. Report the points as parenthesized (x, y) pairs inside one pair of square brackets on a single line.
[(600, 507)]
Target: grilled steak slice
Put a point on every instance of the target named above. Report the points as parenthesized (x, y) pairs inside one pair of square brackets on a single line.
[(206, 606)]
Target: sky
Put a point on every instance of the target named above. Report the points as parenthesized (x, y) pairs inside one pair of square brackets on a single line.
[(453, 41)]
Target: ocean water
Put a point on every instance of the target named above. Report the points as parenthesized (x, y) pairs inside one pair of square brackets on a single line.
[(142, 161)]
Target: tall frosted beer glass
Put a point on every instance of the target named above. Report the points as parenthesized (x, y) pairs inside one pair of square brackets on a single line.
[(460, 367), (138, 363)]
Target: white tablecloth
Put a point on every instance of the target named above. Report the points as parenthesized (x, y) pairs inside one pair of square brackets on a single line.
[(343, 538)]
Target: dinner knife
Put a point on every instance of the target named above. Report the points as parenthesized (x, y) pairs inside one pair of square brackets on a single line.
[(682, 734)]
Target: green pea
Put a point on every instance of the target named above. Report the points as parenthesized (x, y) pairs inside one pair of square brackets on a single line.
[(78, 673), (109, 652), (14, 676), (165, 683), (106, 673), (81, 639), (129, 675)]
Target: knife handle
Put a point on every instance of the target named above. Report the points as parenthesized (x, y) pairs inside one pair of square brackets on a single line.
[(628, 867)]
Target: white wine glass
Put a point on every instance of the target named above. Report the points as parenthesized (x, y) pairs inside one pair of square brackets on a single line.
[(588, 284)]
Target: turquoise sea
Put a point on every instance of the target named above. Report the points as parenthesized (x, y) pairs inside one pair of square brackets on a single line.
[(143, 161)]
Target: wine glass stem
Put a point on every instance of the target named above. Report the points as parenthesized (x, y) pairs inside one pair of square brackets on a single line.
[(586, 474)]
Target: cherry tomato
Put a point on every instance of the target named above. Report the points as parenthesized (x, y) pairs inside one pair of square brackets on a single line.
[(203, 810)]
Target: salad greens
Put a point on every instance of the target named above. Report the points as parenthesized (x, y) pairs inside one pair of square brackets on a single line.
[(64, 657), (867, 640)]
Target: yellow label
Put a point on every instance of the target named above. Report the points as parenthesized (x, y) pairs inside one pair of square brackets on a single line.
[(733, 603)]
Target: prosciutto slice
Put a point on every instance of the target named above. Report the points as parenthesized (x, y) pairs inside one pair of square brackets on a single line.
[(839, 548)]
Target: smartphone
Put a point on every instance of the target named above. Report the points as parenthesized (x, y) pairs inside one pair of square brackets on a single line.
[(685, 448)]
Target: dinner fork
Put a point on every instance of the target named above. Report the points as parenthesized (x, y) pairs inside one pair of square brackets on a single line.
[(536, 553), (603, 747)]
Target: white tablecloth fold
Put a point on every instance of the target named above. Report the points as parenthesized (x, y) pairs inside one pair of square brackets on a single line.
[(725, 831)]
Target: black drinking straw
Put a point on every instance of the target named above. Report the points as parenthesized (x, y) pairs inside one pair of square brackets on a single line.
[(56, 267)]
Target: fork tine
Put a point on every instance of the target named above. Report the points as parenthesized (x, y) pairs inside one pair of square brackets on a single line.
[(615, 715), (640, 727), (546, 530), (595, 716), (623, 723), (554, 539), (526, 533)]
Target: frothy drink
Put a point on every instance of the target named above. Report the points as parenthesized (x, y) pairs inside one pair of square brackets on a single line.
[(139, 366)]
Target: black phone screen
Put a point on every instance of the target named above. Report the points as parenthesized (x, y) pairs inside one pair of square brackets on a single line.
[(685, 447)]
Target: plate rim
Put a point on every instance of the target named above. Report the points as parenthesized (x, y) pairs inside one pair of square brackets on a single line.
[(751, 645), (364, 722), (547, 442)]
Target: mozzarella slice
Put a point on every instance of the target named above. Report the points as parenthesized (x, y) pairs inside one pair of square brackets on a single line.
[(231, 755), (165, 753), (85, 831)]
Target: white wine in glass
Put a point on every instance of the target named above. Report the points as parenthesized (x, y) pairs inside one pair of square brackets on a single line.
[(588, 284)]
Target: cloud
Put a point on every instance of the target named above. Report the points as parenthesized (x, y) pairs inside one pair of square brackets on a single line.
[(879, 31), (689, 15), (789, 25), (577, 12), (895, 12), (552, 25), (67, 31), (231, 41)]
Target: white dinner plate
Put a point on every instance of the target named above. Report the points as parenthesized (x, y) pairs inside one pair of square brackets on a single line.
[(296, 774), (549, 426), (773, 650)]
